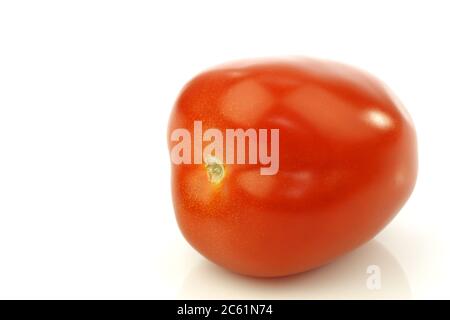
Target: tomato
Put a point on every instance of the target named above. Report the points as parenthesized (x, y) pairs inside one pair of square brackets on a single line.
[(347, 162)]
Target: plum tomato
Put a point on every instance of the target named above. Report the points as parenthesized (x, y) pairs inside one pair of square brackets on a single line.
[(281, 165)]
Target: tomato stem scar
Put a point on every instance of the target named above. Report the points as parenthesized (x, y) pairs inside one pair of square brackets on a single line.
[(215, 170)]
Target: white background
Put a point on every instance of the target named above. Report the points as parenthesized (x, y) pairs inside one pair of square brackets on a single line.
[(86, 88)]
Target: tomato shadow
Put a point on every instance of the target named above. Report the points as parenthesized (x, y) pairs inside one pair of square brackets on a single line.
[(370, 272)]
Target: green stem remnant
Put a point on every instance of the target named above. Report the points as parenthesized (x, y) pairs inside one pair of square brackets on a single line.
[(215, 170)]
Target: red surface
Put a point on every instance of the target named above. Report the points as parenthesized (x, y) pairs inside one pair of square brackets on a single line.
[(348, 163)]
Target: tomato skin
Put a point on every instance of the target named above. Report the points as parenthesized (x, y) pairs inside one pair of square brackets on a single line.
[(348, 163)]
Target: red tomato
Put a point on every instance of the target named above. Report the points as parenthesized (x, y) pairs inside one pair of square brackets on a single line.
[(347, 164)]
